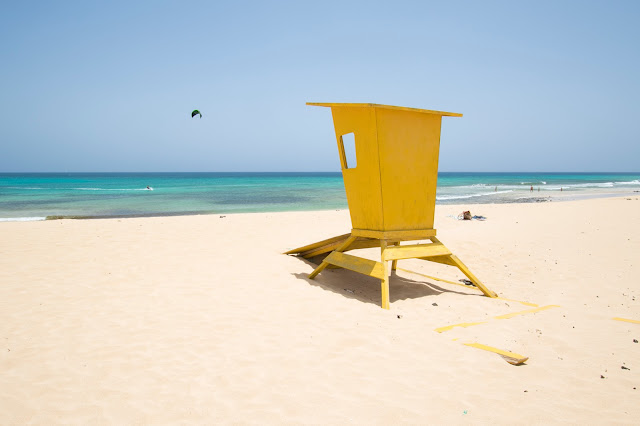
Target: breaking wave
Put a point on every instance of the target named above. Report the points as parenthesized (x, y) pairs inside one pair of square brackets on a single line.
[(462, 197), (22, 219)]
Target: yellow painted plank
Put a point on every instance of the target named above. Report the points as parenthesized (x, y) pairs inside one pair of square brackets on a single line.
[(445, 260), (319, 269), (409, 234), (473, 278), (437, 279), (318, 244), (510, 357), (322, 249), (627, 320), (518, 301), (367, 105), (528, 311), (363, 243), (463, 324), (384, 283), (394, 264), (466, 286), (324, 263), (357, 264), (506, 316), (415, 251)]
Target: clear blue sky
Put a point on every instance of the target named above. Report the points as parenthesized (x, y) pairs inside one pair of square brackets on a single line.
[(109, 86)]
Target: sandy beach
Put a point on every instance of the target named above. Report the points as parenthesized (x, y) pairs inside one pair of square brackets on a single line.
[(202, 319)]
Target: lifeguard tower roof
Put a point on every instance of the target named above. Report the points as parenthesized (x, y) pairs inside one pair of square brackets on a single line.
[(398, 108)]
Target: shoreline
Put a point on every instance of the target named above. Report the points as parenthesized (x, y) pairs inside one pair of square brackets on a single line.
[(107, 195), (530, 200)]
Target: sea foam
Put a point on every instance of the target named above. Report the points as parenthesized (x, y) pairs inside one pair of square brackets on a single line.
[(22, 219), (462, 197)]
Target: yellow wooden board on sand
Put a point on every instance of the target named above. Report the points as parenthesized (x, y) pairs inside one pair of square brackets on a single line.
[(627, 320), (528, 311), (462, 324), (505, 316), (511, 357)]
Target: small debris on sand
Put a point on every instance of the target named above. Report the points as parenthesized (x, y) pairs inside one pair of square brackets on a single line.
[(624, 368), (399, 316), (434, 304), (466, 215)]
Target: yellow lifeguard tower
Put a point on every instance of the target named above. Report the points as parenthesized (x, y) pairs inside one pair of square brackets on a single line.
[(391, 191)]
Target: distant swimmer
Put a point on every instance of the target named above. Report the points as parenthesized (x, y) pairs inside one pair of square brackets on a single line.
[(531, 190)]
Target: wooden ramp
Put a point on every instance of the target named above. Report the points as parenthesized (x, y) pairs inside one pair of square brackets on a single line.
[(331, 244)]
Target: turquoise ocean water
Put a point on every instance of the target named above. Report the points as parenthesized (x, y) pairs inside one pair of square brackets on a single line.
[(37, 196)]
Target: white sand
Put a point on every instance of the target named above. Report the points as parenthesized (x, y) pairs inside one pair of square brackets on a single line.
[(201, 319)]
